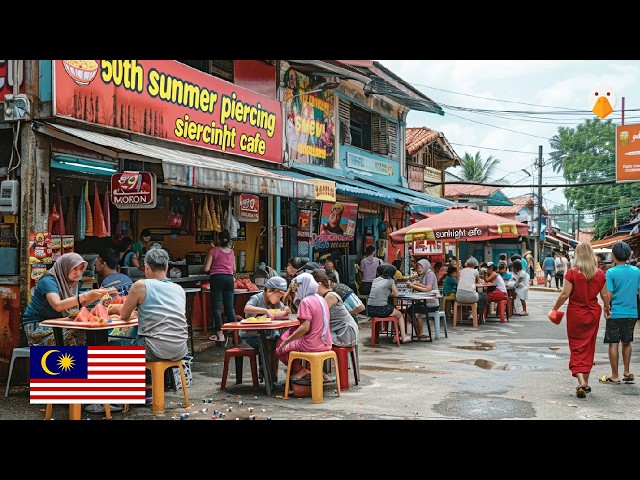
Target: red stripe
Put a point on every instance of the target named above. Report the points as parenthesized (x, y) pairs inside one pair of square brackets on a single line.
[(84, 380), (85, 388), (109, 396), (115, 364)]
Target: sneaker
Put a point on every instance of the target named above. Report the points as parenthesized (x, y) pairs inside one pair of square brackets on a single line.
[(99, 408)]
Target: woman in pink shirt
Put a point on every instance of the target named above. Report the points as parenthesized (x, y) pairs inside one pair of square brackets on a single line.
[(313, 334), (219, 264)]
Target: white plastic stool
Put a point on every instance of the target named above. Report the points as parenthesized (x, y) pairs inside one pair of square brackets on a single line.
[(18, 352), (438, 317)]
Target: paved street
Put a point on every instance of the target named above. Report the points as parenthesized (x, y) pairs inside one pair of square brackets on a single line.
[(517, 370)]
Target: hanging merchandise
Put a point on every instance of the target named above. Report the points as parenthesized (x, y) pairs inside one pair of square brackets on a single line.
[(199, 216), (107, 212), (81, 220), (99, 228), (53, 221), (215, 219), (232, 223), (88, 213), (207, 222), (70, 225), (61, 226)]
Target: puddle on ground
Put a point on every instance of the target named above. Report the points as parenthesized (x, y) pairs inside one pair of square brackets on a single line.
[(472, 406), (478, 362), (413, 369), (478, 346)]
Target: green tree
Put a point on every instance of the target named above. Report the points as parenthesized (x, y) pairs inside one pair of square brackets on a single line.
[(475, 169), (587, 154)]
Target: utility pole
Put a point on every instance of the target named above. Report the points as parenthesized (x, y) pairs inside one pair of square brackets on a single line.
[(540, 241)]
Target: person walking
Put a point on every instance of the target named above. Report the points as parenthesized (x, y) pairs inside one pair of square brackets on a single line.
[(219, 263), (560, 264), (549, 266), (368, 267), (623, 284), (583, 284), (521, 285)]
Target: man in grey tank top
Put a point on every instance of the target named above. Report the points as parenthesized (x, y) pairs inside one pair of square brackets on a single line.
[(161, 304)]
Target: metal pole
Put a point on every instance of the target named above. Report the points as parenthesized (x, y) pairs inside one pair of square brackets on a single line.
[(540, 241)]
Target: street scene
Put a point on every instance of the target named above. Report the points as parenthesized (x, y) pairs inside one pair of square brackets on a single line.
[(319, 239)]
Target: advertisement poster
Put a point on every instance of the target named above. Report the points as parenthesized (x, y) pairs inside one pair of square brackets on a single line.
[(40, 257), (167, 99), (627, 153), (338, 219), (309, 123)]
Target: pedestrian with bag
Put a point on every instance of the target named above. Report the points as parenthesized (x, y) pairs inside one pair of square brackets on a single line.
[(583, 284), (623, 284), (560, 264)]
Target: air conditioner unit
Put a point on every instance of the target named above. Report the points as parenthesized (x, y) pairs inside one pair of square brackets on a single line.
[(16, 107)]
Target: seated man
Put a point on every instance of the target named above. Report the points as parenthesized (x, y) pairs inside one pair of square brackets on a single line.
[(161, 304)]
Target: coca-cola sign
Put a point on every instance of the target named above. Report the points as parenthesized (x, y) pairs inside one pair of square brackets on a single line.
[(132, 189)]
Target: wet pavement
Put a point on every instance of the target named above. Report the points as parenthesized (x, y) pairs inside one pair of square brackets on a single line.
[(515, 370)]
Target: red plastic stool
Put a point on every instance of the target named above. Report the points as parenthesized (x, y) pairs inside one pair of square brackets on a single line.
[(343, 364), (501, 309), (238, 353), (375, 328)]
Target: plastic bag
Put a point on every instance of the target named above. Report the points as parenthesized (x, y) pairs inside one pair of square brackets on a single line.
[(232, 223)]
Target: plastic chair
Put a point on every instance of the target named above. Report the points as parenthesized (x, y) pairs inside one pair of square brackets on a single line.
[(343, 354), (316, 362), (157, 370), (191, 294), (438, 317), (238, 354), (458, 311), (18, 352), (375, 330), (501, 309)]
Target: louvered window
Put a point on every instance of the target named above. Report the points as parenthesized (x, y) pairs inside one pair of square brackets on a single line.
[(367, 130)]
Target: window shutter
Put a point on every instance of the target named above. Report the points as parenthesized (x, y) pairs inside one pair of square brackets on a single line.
[(376, 135), (222, 69), (384, 136), (345, 121), (392, 138)]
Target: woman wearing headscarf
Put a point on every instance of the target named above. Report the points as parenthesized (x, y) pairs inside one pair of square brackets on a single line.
[(313, 334), (383, 287), (467, 291), (344, 329), (427, 282), (56, 295)]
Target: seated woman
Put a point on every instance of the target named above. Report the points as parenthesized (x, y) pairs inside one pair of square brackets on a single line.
[(344, 329), (497, 294), (383, 287), (469, 278), (427, 282), (313, 334), (348, 296), (56, 296), (449, 287), (260, 304)]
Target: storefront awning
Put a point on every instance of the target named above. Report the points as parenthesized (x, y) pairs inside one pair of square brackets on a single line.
[(357, 189), (187, 169)]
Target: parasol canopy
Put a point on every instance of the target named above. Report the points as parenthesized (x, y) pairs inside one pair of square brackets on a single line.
[(460, 224)]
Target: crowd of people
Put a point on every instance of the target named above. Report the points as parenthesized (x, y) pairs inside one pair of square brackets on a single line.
[(327, 309)]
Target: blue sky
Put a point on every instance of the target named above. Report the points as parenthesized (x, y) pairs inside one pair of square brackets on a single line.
[(551, 86)]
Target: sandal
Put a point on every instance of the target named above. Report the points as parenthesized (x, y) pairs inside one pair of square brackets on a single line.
[(587, 389), (628, 378), (214, 337), (581, 392), (607, 379)]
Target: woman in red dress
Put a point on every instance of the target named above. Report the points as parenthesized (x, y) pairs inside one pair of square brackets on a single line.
[(582, 285)]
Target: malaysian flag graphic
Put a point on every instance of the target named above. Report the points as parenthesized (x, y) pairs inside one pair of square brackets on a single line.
[(106, 374)]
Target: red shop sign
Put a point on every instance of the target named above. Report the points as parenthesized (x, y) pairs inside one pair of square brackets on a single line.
[(247, 207), (131, 189)]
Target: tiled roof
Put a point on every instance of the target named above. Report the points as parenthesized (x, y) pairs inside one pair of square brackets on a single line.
[(419, 137), (475, 190), (518, 204)]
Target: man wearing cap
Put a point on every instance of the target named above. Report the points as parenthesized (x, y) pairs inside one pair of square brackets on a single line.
[(259, 305), (497, 294)]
